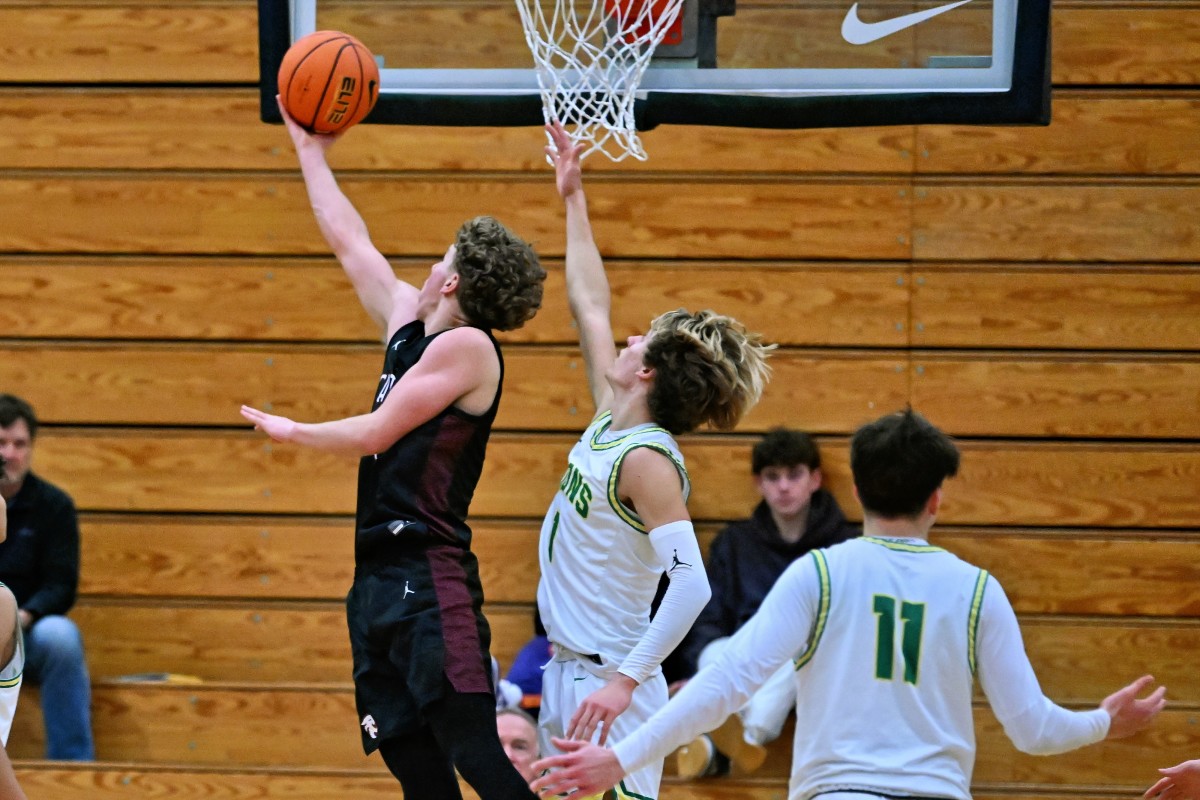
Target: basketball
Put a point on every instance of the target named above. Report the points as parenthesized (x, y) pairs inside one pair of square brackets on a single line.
[(328, 81)]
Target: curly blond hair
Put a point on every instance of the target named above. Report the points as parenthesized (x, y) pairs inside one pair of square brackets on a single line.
[(500, 277), (708, 369)]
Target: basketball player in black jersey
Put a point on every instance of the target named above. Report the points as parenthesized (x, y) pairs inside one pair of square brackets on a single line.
[(422, 669)]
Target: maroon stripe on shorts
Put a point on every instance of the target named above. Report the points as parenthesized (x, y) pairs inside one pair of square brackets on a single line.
[(464, 657)]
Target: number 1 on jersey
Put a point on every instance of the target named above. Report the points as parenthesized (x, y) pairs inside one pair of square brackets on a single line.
[(913, 617), (553, 533)]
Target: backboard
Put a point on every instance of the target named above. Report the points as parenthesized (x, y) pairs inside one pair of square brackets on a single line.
[(766, 63)]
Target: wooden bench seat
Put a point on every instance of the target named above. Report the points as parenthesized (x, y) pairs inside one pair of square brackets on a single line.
[(112, 781), (1001, 482), (302, 725)]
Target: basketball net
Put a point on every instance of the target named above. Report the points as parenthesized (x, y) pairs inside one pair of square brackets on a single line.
[(590, 56)]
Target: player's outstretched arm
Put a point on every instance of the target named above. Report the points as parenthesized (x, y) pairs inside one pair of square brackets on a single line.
[(460, 364), (1131, 714), (587, 285), (383, 296), (1180, 782)]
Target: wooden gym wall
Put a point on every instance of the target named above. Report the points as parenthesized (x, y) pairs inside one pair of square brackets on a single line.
[(1033, 291)]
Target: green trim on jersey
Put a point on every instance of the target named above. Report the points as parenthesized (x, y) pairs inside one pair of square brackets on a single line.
[(903, 546), (973, 621), (625, 513), (814, 636), (605, 421), (623, 792), (8, 683)]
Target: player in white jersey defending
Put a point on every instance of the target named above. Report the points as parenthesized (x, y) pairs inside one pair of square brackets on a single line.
[(12, 663), (619, 519), (887, 634)]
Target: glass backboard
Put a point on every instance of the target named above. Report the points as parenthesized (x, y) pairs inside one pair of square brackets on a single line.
[(769, 63)]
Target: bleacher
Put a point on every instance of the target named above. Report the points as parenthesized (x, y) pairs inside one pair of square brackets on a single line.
[(1034, 291)]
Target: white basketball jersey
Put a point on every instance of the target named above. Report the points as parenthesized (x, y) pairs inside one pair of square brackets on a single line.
[(10, 683), (894, 640), (599, 570)]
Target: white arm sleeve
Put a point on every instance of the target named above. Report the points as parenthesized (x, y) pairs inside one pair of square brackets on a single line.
[(1035, 724), (677, 549), (777, 632)]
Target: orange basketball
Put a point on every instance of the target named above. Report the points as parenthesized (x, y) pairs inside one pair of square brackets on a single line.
[(328, 81)]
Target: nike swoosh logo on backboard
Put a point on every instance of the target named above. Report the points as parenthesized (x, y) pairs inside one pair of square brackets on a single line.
[(855, 31)]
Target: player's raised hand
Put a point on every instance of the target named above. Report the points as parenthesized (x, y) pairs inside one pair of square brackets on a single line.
[(1129, 714), (1180, 782), (600, 708), (301, 138), (565, 155), (583, 768), (278, 428)]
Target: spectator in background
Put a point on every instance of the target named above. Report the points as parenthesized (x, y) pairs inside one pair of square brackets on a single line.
[(794, 517), (39, 562), (518, 735)]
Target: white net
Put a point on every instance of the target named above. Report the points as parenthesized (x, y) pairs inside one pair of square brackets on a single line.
[(590, 56)]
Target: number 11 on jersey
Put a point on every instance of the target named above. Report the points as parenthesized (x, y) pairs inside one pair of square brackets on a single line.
[(912, 616)]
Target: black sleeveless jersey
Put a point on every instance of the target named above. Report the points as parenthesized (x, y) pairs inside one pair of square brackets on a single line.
[(416, 493)]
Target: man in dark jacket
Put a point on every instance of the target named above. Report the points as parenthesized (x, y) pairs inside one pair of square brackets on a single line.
[(795, 516), (39, 561)]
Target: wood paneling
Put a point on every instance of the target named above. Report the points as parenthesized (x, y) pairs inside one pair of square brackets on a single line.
[(1118, 573), (80, 43), (1077, 660), (1000, 483), (1115, 133), (1012, 394), (1056, 221), (152, 213), (701, 218), (63, 781), (199, 128), (1057, 306), (262, 642), (1047, 571), (1111, 763), (545, 389), (162, 266), (223, 724), (1097, 132), (139, 42), (1125, 43), (263, 299)]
